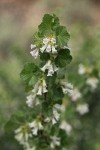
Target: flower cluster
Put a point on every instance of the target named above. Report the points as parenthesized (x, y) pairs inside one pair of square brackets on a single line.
[(49, 45)]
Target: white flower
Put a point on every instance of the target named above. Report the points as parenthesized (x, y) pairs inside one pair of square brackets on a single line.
[(82, 109), (35, 126), (35, 52), (56, 117), (54, 51), (32, 100), (21, 135), (43, 48), (33, 46), (50, 67), (42, 88), (35, 89), (92, 82), (56, 114), (49, 45), (57, 107), (81, 69), (66, 126), (48, 119), (55, 142), (39, 90), (75, 95), (67, 88)]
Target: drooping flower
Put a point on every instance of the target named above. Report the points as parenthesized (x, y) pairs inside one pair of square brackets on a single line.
[(35, 126), (82, 109), (22, 135), (49, 45), (75, 95), (32, 100), (35, 51), (55, 141), (56, 115), (67, 87), (92, 82), (42, 88), (66, 126), (50, 67)]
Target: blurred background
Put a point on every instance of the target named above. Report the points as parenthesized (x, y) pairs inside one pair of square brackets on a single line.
[(18, 21)]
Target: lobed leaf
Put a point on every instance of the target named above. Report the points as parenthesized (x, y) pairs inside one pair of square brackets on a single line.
[(29, 75), (62, 36), (63, 58)]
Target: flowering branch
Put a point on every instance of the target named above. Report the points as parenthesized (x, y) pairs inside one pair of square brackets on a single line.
[(45, 82)]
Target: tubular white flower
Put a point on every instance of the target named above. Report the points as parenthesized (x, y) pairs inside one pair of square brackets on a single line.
[(43, 48), (33, 46), (48, 119), (42, 88), (32, 101), (56, 117), (67, 88), (92, 82), (35, 53), (56, 114), (50, 71), (75, 95), (48, 49), (82, 109), (50, 67), (35, 89), (57, 107), (55, 68), (54, 51), (35, 127), (67, 127), (55, 142), (45, 41), (39, 90), (21, 136)]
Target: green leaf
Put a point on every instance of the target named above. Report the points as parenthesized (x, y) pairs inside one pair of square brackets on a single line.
[(44, 56), (55, 22), (63, 58), (30, 75), (61, 73), (49, 23), (62, 36), (37, 39)]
